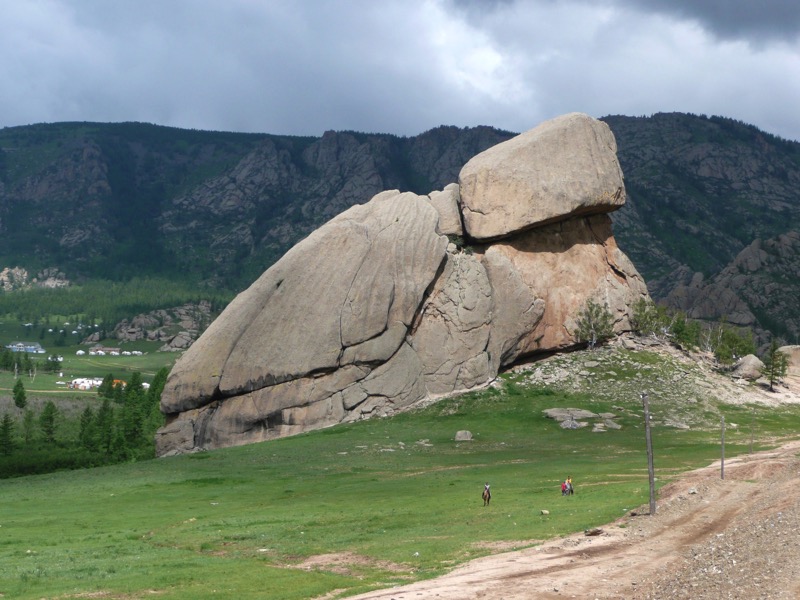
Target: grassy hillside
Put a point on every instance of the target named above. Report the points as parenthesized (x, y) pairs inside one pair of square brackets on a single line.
[(366, 505)]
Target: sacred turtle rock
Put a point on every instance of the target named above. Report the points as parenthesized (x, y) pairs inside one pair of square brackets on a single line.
[(378, 310)]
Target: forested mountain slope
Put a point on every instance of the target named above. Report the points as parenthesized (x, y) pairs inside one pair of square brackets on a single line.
[(710, 201), (117, 200)]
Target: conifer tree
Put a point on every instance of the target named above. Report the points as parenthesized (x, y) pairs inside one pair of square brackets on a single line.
[(48, 421), (106, 389), (105, 427), (28, 426), (7, 435), (20, 397), (87, 436), (776, 364), (133, 411)]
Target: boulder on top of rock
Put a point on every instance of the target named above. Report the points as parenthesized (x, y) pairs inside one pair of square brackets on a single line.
[(376, 311), (564, 167)]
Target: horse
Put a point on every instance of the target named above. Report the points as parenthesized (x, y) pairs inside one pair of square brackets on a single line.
[(487, 495)]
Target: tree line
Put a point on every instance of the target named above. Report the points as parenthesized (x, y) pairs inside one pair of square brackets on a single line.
[(121, 429), (109, 301)]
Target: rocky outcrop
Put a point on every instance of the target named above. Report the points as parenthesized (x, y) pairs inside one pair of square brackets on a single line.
[(761, 285), (17, 278), (378, 310), (177, 327)]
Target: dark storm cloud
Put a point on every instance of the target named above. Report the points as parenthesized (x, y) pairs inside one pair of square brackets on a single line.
[(395, 66), (756, 20)]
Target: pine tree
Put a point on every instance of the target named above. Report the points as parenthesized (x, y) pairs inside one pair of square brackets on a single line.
[(776, 364), (20, 397), (48, 421), (118, 393), (106, 389), (105, 427), (28, 426), (133, 411), (7, 435), (87, 437)]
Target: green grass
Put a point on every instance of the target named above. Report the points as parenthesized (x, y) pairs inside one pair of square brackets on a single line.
[(400, 493)]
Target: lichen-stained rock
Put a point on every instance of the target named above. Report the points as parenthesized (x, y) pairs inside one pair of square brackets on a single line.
[(565, 265), (564, 167)]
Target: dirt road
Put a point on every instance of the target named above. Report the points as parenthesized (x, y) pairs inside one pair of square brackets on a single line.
[(710, 538)]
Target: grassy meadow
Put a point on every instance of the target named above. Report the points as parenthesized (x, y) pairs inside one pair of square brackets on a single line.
[(347, 509)]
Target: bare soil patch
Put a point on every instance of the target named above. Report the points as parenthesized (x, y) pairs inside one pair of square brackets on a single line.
[(347, 563)]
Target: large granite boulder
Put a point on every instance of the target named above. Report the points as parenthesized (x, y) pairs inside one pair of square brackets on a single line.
[(748, 367), (377, 310), (564, 167), (345, 295)]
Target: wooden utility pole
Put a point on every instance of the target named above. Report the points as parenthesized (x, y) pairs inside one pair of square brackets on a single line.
[(648, 440), (722, 444)]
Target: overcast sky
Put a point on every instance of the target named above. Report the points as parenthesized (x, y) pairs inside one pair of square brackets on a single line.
[(396, 66)]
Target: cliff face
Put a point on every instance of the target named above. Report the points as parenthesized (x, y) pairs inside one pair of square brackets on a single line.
[(101, 200), (376, 310)]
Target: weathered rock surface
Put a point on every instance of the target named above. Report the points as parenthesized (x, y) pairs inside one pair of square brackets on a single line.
[(792, 354), (376, 311), (372, 265), (748, 367), (569, 414), (17, 278), (446, 204), (565, 166), (177, 327), (566, 264)]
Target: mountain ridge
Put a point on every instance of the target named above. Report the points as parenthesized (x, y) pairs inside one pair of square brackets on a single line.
[(111, 200)]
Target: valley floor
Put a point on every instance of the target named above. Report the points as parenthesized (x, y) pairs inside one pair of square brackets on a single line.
[(735, 537), (710, 538)]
